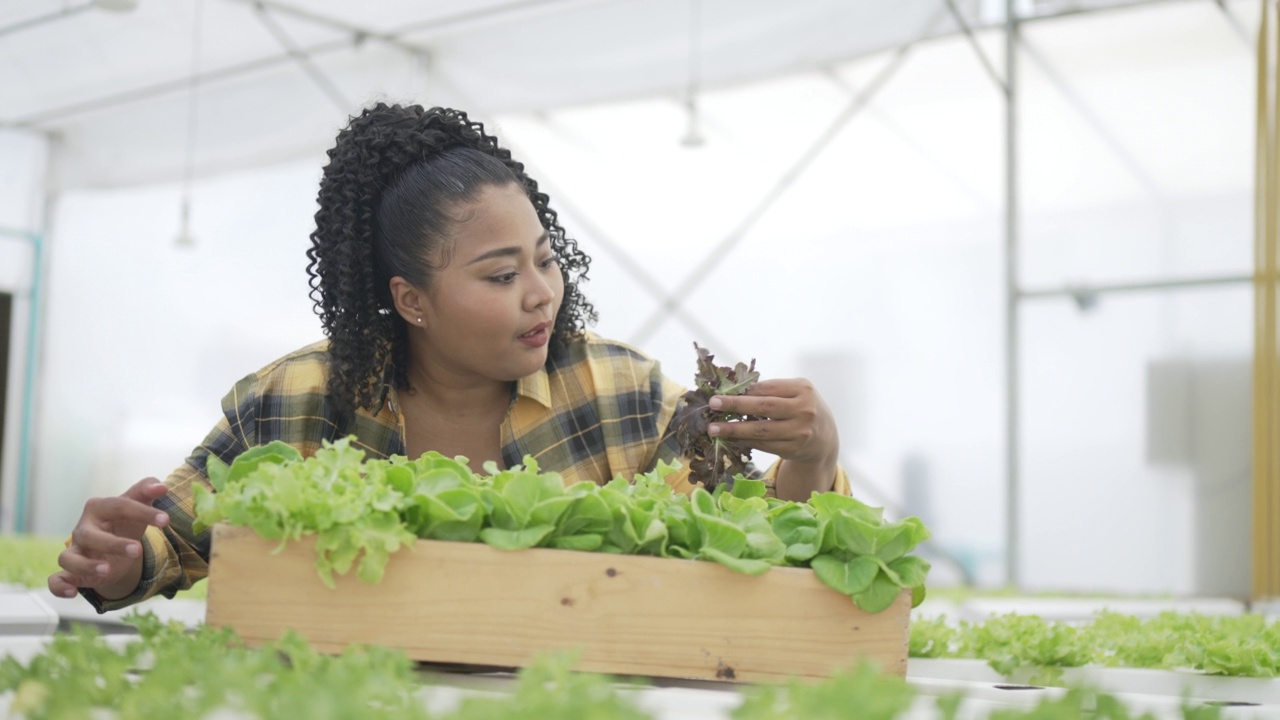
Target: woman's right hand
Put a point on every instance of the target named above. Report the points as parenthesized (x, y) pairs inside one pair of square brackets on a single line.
[(105, 553)]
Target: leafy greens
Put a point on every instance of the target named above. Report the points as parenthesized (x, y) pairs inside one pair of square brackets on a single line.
[(363, 511), (713, 460), (210, 673), (1245, 645)]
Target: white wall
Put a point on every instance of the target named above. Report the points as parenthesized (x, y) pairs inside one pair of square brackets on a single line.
[(144, 336)]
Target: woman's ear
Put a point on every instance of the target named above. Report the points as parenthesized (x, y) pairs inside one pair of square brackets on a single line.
[(410, 301)]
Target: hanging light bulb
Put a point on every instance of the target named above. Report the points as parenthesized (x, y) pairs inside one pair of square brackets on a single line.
[(693, 132), (185, 239)]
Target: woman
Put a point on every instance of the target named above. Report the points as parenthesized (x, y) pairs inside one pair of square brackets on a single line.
[(449, 295)]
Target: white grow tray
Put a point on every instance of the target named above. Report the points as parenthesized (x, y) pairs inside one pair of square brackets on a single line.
[(1168, 683)]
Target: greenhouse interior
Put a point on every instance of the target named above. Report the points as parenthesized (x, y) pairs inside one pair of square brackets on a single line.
[(735, 359)]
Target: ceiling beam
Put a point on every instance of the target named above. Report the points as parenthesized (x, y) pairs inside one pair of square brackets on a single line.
[(65, 12)]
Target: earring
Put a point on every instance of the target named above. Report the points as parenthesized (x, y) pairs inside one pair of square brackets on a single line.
[(419, 321)]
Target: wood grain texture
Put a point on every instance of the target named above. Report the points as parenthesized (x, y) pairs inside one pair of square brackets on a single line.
[(628, 615)]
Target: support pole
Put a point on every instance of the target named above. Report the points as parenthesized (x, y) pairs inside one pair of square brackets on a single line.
[(1011, 559), (1266, 359)]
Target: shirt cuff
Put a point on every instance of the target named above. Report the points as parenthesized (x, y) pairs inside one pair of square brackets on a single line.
[(840, 483)]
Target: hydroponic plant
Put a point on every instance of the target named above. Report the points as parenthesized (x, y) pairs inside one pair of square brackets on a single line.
[(211, 673), (361, 511), (1241, 645)]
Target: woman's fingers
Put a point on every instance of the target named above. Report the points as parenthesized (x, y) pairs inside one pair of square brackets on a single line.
[(793, 421), (122, 511), (62, 584), (776, 399), (779, 437), (749, 430), (106, 544), (96, 542), (762, 406), (80, 569), (146, 490)]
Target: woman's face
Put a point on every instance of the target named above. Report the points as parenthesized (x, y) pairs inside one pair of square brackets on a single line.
[(491, 310)]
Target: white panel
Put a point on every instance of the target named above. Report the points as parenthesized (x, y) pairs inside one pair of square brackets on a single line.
[(1106, 506), (1198, 415)]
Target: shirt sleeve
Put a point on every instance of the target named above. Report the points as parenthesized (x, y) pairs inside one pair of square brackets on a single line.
[(175, 557)]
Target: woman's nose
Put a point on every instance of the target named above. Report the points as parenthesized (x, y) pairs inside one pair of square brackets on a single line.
[(540, 293)]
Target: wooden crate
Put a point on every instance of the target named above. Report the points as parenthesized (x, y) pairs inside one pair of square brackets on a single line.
[(628, 615)]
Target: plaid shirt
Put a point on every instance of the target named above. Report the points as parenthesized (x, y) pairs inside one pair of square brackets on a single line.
[(601, 410)]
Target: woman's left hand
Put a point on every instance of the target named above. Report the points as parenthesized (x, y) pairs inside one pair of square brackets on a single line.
[(797, 426)]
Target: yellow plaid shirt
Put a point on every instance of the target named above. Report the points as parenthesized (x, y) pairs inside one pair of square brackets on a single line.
[(601, 410)]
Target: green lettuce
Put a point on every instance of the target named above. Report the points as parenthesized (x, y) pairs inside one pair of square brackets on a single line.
[(363, 511)]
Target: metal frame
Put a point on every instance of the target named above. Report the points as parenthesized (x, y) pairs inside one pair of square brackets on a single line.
[(22, 492), (313, 71), (1011, 298)]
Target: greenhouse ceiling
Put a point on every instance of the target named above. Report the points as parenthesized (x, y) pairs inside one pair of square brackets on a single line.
[(144, 91)]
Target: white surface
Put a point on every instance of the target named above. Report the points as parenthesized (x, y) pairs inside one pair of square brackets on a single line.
[(26, 614), (932, 609), (699, 701), (957, 669), (1176, 683), (702, 703), (1270, 608), (1168, 683), (23, 648), (188, 612), (1084, 609)]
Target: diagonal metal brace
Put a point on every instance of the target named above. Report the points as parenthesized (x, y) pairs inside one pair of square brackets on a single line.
[(303, 59), (670, 303)]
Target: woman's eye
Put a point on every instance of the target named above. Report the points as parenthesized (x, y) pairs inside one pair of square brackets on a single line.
[(504, 278), (548, 262)]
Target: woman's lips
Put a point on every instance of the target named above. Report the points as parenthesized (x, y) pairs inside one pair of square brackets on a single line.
[(537, 337)]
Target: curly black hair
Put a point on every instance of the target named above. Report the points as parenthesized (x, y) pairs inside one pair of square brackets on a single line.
[(392, 175)]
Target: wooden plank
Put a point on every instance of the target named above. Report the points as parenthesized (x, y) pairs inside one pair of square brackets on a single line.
[(629, 615)]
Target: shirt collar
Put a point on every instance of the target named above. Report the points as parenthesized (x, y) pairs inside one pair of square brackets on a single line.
[(536, 386)]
